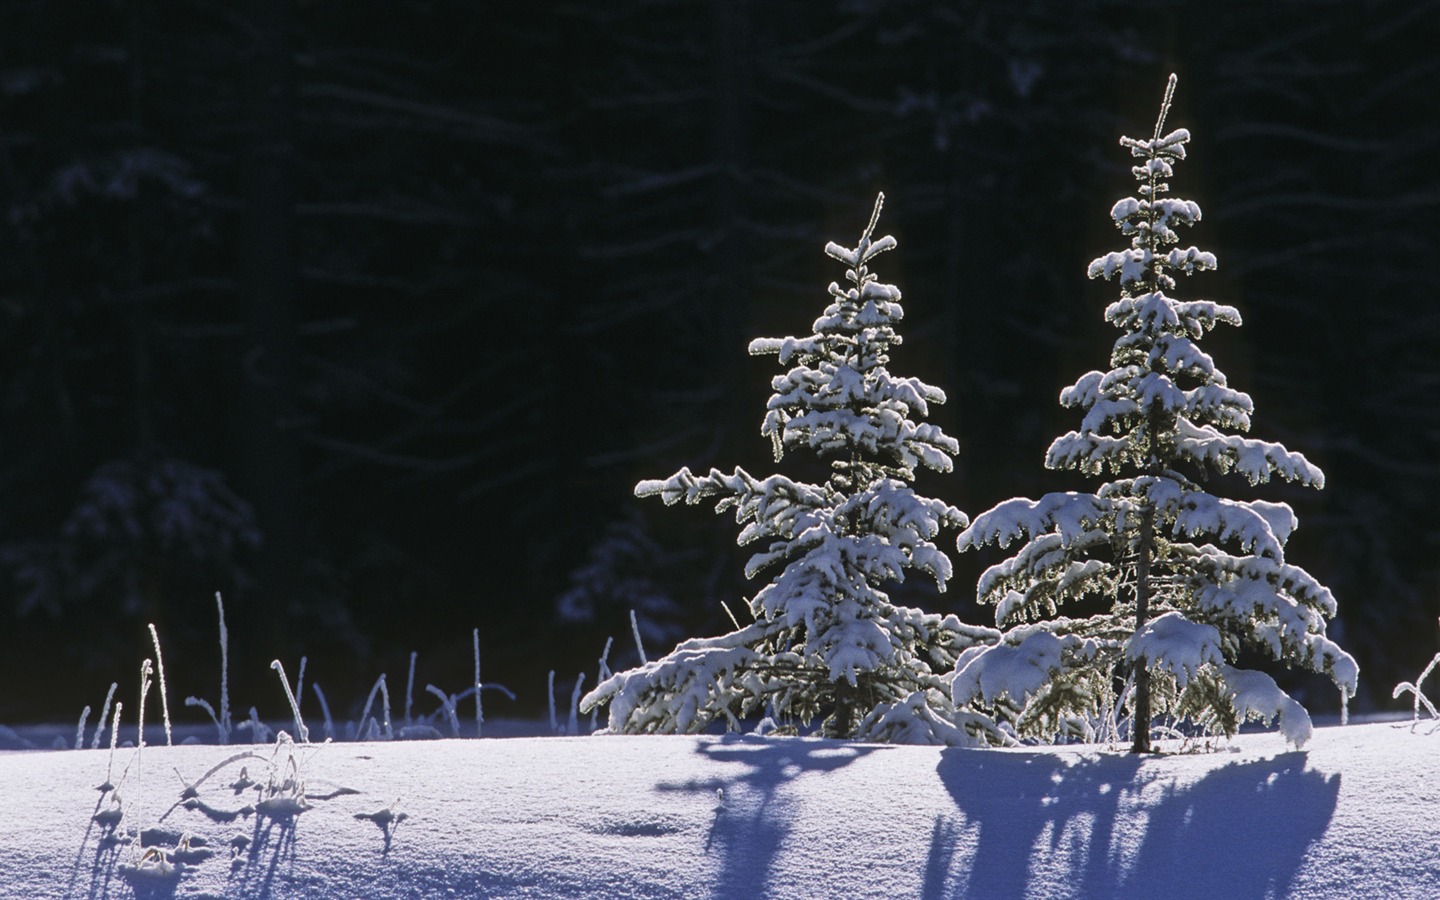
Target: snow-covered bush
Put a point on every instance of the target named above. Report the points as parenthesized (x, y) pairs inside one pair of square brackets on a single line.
[(824, 638), (1162, 584), (623, 574), (143, 522)]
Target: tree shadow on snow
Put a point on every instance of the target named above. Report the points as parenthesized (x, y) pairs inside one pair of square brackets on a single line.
[(1042, 812), (752, 814)]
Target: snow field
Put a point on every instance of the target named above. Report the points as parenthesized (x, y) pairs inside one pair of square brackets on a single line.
[(1354, 815)]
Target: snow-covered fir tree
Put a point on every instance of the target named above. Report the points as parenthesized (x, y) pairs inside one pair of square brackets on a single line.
[(824, 639), (1151, 582)]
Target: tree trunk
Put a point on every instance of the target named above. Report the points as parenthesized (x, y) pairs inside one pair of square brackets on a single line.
[(1141, 706)]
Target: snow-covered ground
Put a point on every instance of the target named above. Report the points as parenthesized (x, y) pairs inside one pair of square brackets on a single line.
[(1355, 814)]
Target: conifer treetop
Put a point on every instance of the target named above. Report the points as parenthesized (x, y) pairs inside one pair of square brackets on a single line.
[(838, 398)]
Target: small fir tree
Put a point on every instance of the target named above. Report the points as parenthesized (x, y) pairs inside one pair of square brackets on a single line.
[(825, 641), (1184, 582)]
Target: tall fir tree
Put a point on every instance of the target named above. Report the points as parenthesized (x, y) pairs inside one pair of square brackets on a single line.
[(1167, 584), (826, 641)]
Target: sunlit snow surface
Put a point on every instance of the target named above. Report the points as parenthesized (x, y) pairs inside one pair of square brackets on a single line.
[(1356, 814)]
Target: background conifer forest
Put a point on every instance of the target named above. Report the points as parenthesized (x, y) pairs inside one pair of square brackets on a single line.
[(372, 318)]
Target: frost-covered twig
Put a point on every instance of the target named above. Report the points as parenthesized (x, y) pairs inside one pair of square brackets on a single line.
[(554, 725), (224, 721), (479, 707), (635, 630), (602, 676), (1420, 697), (80, 729), (104, 714), (447, 705), (294, 706), (384, 692), (145, 670), (192, 788), (410, 687), (324, 710), (259, 732), (164, 695), (210, 711), (733, 621), (573, 727), (110, 761), (221, 719)]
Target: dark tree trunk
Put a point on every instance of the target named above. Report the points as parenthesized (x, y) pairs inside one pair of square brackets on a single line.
[(1141, 726)]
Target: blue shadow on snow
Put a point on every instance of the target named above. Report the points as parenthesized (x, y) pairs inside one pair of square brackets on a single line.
[(752, 820), (1241, 831)]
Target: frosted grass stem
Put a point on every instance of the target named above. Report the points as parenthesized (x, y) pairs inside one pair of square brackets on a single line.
[(80, 729), (635, 630), (479, 706), (573, 726), (259, 731), (410, 687), (447, 703), (324, 710), (145, 668), (734, 621), (385, 705), (300, 728), (104, 714), (600, 676), (114, 739), (164, 696), (224, 671), (605, 659), (554, 725)]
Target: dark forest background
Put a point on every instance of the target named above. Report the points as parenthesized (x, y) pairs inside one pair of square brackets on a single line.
[(370, 315)]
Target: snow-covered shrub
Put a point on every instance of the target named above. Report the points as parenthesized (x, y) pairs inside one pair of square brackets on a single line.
[(143, 523), (1161, 584), (824, 640), (622, 574)]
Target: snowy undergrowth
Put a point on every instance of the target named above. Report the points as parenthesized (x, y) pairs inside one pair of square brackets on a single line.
[(746, 817)]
